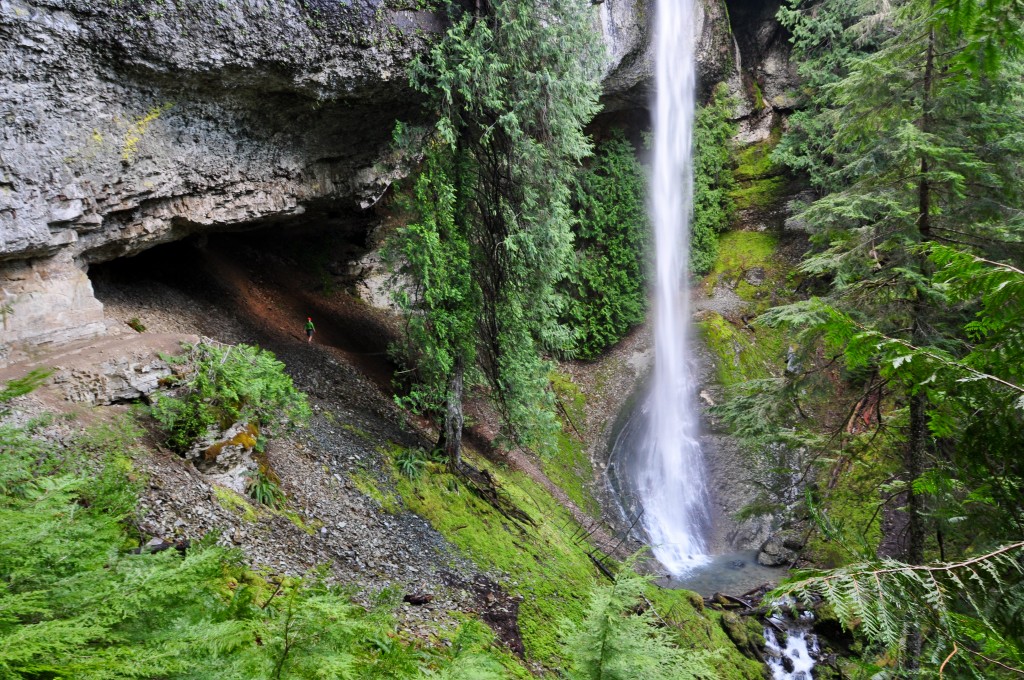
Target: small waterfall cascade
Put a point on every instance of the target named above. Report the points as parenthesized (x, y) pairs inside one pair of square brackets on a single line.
[(669, 470), (793, 657)]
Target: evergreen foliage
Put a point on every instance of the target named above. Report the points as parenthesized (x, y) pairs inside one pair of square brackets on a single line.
[(713, 206), (620, 639), (441, 308), (606, 285), (219, 385), (514, 82), (911, 137), (76, 602), (971, 611)]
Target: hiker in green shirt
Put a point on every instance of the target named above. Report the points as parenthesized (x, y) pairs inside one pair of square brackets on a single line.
[(310, 329)]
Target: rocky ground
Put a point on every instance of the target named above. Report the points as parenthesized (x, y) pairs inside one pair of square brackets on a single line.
[(379, 551)]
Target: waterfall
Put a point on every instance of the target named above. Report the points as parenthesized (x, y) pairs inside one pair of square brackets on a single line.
[(669, 465)]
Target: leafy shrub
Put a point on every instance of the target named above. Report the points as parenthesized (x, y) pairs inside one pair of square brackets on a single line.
[(223, 384), (713, 207)]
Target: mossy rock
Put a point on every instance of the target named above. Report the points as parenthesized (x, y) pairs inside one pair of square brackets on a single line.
[(759, 193), (742, 354), (699, 628), (749, 639), (755, 161), (761, 183), (736, 629)]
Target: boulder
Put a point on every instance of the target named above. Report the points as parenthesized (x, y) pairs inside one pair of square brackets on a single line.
[(781, 549), (226, 459)]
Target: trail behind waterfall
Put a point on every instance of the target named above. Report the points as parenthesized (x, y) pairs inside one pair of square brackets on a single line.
[(232, 292)]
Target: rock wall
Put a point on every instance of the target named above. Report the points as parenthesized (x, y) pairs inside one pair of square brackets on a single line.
[(627, 27), (130, 123), (765, 79)]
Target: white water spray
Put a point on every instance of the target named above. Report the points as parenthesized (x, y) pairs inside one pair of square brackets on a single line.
[(670, 467)]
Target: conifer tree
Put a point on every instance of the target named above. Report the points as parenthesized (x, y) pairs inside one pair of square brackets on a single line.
[(514, 83), (606, 287), (911, 138)]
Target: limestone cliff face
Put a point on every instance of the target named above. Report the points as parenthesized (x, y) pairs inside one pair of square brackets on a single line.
[(129, 123)]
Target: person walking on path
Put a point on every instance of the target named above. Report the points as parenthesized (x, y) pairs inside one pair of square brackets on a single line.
[(310, 329)]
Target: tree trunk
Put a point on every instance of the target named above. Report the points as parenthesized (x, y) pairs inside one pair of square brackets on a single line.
[(916, 452), (453, 419)]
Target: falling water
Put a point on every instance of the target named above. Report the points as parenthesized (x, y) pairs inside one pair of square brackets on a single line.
[(669, 465)]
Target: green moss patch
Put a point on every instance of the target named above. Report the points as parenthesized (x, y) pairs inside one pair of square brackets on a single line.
[(852, 508), (759, 193), (235, 503), (369, 486), (569, 466), (543, 563), (760, 181), (547, 568), (741, 353), (755, 161), (697, 628), (740, 252)]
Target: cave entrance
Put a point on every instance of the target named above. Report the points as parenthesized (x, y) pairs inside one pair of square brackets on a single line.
[(258, 287)]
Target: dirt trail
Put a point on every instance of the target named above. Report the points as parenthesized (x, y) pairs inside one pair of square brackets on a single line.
[(277, 300)]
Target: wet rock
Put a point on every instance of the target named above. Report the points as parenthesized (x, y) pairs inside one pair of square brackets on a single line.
[(780, 549), (793, 540), (755, 276), (418, 599)]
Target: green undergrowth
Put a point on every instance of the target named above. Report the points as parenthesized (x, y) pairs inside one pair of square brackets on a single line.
[(695, 627), (569, 466), (544, 565), (78, 602), (742, 354)]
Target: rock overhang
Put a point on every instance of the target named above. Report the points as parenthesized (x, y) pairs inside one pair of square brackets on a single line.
[(134, 123)]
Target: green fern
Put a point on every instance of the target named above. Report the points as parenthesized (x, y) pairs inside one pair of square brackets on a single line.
[(954, 604), (615, 641), (264, 490), (411, 462), (218, 385)]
